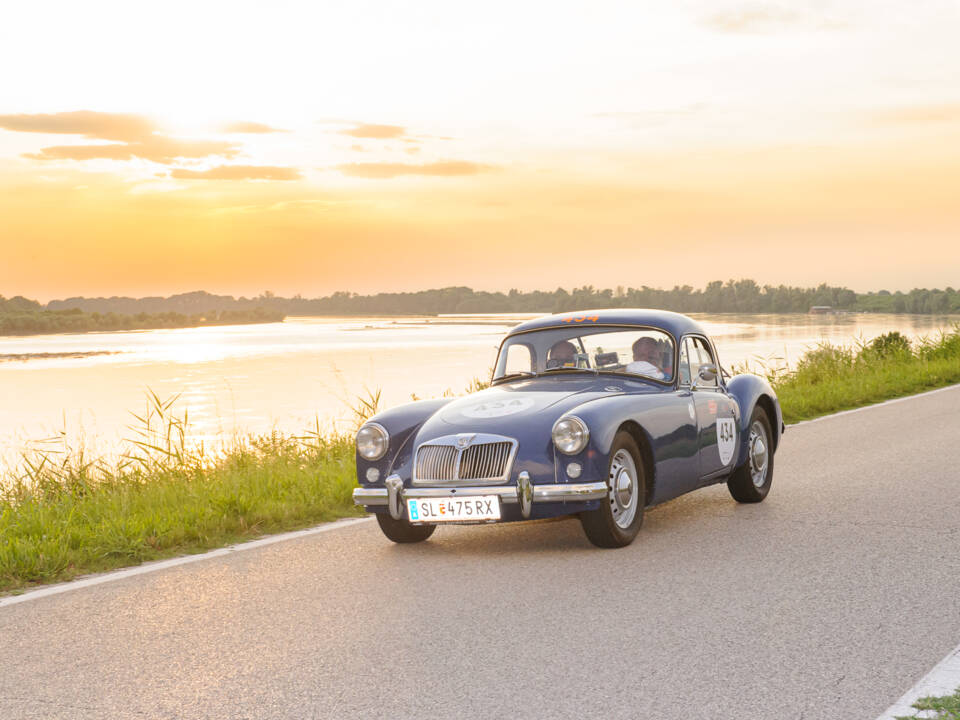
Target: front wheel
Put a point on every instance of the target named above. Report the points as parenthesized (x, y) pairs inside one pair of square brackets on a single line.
[(618, 519), (751, 482), (400, 531)]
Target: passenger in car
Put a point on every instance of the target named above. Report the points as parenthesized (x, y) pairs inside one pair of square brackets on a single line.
[(647, 359)]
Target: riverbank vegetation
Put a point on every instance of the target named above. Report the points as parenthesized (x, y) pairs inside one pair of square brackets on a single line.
[(19, 316), (831, 378), (65, 513), (740, 296)]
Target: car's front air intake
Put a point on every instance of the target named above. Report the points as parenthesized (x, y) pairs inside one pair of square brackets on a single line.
[(466, 457)]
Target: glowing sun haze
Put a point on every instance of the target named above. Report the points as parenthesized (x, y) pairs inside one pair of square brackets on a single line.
[(152, 148)]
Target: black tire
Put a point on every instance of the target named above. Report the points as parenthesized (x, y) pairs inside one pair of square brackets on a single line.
[(400, 531), (601, 525), (743, 483)]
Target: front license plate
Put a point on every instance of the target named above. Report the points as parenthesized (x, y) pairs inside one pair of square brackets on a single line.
[(453, 509)]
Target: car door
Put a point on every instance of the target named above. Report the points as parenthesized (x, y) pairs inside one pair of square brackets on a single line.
[(716, 411), (686, 477)]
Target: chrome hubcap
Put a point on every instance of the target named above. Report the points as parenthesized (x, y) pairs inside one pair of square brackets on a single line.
[(622, 482), (759, 457)]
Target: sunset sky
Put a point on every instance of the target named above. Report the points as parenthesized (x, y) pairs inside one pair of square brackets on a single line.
[(237, 147)]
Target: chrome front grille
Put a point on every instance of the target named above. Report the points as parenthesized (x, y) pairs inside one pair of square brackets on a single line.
[(437, 462), (480, 462), (468, 457)]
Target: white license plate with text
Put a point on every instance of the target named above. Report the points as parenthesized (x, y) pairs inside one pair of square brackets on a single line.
[(453, 509)]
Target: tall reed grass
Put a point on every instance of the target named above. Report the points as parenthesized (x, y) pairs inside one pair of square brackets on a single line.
[(830, 378), (63, 512)]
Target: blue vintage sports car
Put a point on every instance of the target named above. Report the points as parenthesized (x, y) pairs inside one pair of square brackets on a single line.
[(599, 414)]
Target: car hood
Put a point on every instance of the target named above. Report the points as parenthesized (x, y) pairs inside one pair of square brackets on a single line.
[(513, 408)]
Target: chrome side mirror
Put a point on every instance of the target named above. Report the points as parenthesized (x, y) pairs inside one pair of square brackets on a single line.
[(707, 373)]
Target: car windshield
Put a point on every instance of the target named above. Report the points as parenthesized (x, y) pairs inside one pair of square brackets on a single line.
[(646, 352)]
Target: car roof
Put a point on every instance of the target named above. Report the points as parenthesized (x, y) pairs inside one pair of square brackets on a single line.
[(674, 323)]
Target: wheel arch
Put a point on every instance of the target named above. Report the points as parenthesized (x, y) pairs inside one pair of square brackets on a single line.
[(765, 402), (639, 436)]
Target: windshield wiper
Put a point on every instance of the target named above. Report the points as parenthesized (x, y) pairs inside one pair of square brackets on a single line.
[(515, 375), (571, 369)]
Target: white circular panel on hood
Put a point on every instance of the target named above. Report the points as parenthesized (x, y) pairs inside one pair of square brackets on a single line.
[(497, 408)]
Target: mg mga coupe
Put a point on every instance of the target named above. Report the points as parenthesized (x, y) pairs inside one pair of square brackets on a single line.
[(597, 414)]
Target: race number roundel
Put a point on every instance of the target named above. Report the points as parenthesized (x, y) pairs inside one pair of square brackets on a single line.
[(726, 439), (497, 408)]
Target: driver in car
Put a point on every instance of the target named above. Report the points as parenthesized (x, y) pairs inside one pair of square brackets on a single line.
[(561, 354), (647, 359)]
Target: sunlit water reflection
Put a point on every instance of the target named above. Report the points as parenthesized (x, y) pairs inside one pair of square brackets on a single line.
[(253, 378)]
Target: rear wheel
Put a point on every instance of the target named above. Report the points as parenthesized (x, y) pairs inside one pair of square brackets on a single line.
[(400, 531), (751, 482), (618, 519)]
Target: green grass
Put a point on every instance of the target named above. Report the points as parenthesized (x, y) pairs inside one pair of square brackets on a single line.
[(831, 378), (63, 514), (936, 708)]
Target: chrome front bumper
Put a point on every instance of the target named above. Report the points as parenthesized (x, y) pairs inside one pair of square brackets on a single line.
[(395, 495)]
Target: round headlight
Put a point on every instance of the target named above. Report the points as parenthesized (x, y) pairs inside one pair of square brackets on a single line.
[(570, 434), (372, 441)]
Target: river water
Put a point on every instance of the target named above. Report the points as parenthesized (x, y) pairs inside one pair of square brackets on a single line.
[(286, 376)]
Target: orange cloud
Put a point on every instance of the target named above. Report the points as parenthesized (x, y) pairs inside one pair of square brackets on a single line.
[(251, 128), (376, 132), (449, 168), (159, 149), (94, 125), (239, 172)]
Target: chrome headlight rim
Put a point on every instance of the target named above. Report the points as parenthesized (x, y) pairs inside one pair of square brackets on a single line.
[(374, 453), (580, 435)]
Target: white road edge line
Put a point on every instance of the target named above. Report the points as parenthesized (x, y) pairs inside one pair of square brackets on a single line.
[(152, 567), (875, 405), (186, 559), (942, 680)]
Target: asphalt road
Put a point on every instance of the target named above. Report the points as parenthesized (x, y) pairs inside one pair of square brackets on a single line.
[(826, 601)]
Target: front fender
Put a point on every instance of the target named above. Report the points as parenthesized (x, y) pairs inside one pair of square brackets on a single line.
[(402, 423), (664, 425), (749, 391)]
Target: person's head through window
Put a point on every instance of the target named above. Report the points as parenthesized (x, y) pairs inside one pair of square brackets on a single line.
[(646, 349), (647, 359), (561, 354)]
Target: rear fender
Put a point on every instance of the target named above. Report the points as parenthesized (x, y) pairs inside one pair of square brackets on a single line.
[(750, 391)]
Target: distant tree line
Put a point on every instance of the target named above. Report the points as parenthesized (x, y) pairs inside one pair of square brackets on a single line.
[(20, 316), (745, 296)]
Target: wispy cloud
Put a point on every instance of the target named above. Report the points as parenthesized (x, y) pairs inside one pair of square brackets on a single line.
[(239, 172), (765, 17), (251, 128), (449, 168), (373, 131), (93, 125), (138, 138), (376, 132), (158, 149)]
